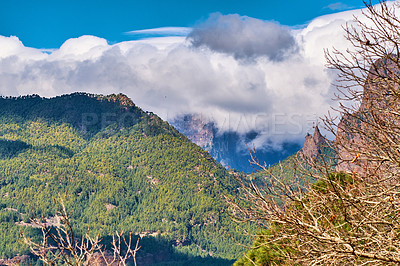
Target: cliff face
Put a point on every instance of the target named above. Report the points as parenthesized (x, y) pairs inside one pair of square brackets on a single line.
[(348, 145), (358, 135)]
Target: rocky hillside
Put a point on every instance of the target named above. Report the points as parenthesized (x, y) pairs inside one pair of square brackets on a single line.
[(364, 133)]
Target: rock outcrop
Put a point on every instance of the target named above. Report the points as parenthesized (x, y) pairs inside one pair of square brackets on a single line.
[(313, 144)]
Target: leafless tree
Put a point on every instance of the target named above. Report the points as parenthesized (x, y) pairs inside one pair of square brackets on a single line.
[(343, 210), (60, 244)]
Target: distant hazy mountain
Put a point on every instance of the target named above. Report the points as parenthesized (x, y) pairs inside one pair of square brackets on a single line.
[(229, 148)]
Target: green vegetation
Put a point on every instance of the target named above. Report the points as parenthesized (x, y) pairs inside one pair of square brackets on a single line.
[(122, 169), (263, 252)]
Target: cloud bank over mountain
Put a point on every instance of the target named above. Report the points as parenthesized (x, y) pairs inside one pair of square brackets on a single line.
[(280, 92), (244, 37)]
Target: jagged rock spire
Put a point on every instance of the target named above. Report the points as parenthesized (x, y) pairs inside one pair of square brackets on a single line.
[(313, 143), (317, 136)]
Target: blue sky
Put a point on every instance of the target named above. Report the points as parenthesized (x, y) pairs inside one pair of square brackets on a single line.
[(49, 23)]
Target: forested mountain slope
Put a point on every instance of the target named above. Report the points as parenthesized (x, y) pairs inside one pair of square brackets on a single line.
[(121, 168)]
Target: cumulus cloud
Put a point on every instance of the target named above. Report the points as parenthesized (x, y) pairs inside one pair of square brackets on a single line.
[(244, 37), (81, 49), (12, 46), (279, 97)]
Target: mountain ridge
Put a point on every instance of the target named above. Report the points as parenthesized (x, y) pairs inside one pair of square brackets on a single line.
[(123, 169)]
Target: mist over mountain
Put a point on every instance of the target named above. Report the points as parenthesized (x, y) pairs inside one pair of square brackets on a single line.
[(230, 148)]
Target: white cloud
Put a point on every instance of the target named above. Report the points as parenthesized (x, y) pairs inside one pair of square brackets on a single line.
[(81, 49), (12, 46), (244, 37), (169, 76)]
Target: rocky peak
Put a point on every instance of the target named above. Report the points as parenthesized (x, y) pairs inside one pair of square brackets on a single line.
[(120, 98), (317, 136), (313, 143)]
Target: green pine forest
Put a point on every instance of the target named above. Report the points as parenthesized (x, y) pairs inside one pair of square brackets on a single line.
[(120, 168)]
